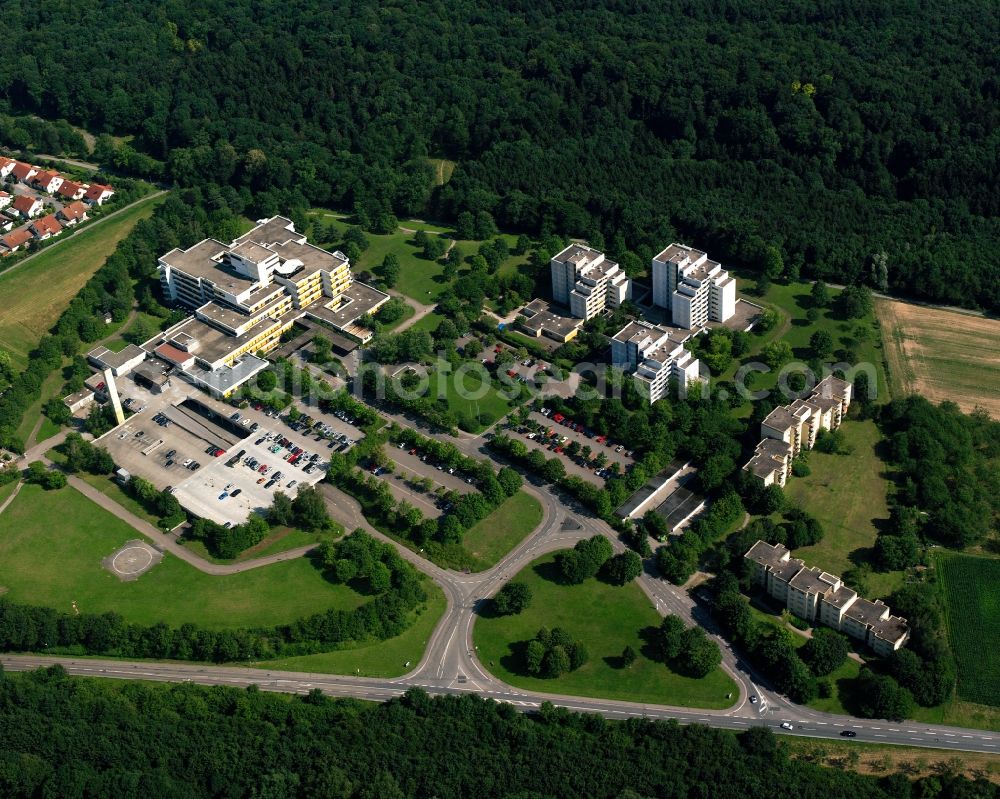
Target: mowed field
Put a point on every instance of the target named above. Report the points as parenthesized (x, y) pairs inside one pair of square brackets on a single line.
[(970, 591), (52, 544), (38, 291), (942, 355), (605, 619)]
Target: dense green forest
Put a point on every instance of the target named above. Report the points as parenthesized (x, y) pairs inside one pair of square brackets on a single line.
[(75, 738), (833, 132)]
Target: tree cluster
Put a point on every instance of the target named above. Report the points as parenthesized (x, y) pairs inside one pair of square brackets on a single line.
[(687, 650), (552, 653), (584, 560)]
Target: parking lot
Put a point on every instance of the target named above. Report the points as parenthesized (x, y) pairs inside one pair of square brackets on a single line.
[(172, 439), (244, 480)]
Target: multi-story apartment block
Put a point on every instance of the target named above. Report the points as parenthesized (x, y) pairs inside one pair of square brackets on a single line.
[(793, 428), (656, 356), (585, 280), (822, 598), (247, 293), (695, 289)]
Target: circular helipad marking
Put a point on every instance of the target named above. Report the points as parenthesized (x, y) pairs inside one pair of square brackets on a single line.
[(132, 560)]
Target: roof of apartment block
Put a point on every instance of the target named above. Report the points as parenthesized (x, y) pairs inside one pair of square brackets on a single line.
[(357, 300), (767, 554), (813, 580), (200, 260), (252, 251), (639, 331), (831, 386), (577, 254), (866, 611), (677, 253), (890, 629), (781, 418), (215, 344), (271, 231), (224, 315), (312, 258), (840, 598)]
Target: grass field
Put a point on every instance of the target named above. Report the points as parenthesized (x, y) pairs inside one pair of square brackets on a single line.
[(281, 539), (443, 169), (7, 490), (847, 493), (382, 659), (792, 302), (942, 355), (502, 530), (605, 619), (970, 591), (115, 492), (44, 560), (420, 279), (491, 405), (50, 387), (37, 292)]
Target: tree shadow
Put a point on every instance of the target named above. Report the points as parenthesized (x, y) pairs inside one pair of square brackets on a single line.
[(486, 609), (650, 648), (862, 556), (615, 662), (800, 322), (515, 661), (549, 571)]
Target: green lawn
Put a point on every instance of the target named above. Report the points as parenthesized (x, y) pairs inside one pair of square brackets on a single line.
[(113, 491), (50, 388), (847, 493), (7, 490), (792, 302), (970, 585), (44, 560), (382, 659), (488, 404), (118, 343), (605, 619), (419, 278), (502, 530), (281, 539), (428, 323), (37, 292)]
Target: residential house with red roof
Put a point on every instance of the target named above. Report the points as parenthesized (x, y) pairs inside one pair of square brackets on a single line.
[(97, 194), (24, 172), (6, 166), (13, 241), (46, 227), (71, 190), (48, 181), (5, 200), (27, 206), (72, 213)]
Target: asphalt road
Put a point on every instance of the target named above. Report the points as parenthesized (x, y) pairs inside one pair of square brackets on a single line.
[(450, 664)]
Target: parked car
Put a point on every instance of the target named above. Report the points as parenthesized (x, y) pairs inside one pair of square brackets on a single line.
[(848, 734), (236, 492)]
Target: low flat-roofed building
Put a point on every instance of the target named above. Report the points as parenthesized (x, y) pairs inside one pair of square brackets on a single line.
[(538, 318), (152, 374), (344, 313), (120, 363), (822, 598), (79, 400)]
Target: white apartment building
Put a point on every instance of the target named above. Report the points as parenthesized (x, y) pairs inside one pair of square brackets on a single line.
[(822, 598), (695, 289), (656, 356), (585, 280), (788, 430)]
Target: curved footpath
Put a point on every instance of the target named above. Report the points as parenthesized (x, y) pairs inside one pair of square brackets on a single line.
[(450, 664)]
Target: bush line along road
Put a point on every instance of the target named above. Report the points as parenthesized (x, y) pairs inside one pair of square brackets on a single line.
[(450, 664)]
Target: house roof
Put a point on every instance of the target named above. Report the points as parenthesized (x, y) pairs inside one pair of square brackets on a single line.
[(22, 170), (24, 203), (16, 238), (74, 210), (45, 176), (96, 190), (69, 188), (47, 224)]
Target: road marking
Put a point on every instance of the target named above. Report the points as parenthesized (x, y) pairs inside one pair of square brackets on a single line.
[(880, 736)]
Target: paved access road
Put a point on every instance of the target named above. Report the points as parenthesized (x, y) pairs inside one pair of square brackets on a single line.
[(450, 665)]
